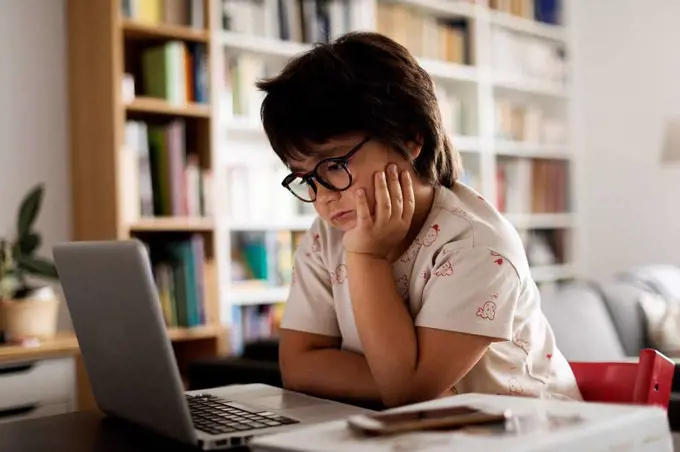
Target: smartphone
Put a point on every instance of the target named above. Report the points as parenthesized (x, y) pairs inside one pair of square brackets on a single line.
[(432, 419)]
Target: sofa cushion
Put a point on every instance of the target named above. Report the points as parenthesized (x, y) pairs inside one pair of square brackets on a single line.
[(623, 299), (663, 279), (580, 320)]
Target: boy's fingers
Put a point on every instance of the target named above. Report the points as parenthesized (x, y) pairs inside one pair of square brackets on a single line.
[(396, 192), (363, 212), (383, 207), (409, 197)]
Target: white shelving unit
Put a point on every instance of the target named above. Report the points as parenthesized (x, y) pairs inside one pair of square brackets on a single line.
[(480, 84)]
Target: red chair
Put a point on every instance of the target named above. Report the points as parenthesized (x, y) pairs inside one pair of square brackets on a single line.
[(647, 382)]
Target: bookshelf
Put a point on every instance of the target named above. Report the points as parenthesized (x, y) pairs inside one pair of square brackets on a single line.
[(166, 48), (503, 82)]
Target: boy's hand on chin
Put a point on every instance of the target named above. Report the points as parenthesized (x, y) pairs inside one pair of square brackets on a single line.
[(379, 234)]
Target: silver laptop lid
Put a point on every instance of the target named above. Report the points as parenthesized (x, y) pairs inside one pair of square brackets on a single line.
[(113, 302)]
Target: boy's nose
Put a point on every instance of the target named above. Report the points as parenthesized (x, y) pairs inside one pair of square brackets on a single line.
[(323, 194)]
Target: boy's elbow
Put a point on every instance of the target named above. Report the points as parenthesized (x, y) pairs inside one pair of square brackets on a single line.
[(394, 398), (290, 380), (292, 374)]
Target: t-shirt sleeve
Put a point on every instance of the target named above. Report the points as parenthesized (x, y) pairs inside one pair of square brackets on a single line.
[(309, 306), (471, 291)]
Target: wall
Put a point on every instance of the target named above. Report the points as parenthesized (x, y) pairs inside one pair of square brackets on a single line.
[(33, 115), (627, 83)]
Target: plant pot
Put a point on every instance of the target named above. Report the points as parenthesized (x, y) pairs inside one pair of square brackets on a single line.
[(29, 319)]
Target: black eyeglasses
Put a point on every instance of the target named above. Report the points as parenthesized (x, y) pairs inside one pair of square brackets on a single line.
[(331, 172)]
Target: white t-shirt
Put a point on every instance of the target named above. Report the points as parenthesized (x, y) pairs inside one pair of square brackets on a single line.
[(466, 271)]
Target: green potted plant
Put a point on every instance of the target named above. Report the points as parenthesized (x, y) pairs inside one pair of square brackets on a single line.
[(28, 303)]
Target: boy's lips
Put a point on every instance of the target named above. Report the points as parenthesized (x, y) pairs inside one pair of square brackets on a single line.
[(341, 215)]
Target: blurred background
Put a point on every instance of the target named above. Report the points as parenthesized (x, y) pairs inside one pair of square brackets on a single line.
[(139, 118)]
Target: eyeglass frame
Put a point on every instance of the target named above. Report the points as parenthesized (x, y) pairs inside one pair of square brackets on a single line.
[(311, 176)]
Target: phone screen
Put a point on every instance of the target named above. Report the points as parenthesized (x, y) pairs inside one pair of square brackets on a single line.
[(440, 413)]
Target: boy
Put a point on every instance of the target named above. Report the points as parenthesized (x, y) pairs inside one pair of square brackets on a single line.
[(410, 286)]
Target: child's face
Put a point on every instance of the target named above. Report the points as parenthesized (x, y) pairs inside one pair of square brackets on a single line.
[(338, 208)]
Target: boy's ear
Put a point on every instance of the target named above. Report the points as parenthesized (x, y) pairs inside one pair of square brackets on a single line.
[(415, 147)]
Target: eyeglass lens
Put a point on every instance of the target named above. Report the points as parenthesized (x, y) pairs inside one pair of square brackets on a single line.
[(331, 173)]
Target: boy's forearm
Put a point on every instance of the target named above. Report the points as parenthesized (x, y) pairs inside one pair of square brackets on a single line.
[(332, 373), (385, 327)]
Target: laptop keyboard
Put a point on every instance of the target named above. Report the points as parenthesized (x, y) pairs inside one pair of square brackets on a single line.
[(214, 415)]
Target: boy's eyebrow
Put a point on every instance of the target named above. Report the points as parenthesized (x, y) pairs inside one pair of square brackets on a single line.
[(323, 154)]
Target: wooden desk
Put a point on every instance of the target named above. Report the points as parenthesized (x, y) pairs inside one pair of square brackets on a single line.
[(82, 431)]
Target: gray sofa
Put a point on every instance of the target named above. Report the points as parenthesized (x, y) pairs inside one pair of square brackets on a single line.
[(611, 322)]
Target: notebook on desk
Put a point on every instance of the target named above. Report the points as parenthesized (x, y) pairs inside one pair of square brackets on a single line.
[(544, 425)]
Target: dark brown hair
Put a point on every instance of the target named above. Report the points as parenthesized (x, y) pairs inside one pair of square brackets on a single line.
[(362, 82)]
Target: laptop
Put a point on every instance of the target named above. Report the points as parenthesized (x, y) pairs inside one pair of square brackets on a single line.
[(113, 301)]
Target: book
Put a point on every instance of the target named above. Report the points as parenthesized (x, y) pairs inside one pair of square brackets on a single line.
[(180, 275), (176, 71), (188, 13)]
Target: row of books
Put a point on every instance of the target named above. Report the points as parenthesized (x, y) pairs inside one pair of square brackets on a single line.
[(532, 185), (425, 35), (241, 96), (264, 256), (471, 170), (547, 11), (180, 276), (523, 121), (305, 21), (188, 13), (250, 323), (254, 193), (164, 176), (545, 247), (176, 71), (519, 55)]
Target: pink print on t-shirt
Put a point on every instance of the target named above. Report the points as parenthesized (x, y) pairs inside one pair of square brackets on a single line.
[(515, 388), (431, 236), (521, 343), (402, 286), (425, 275), (458, 211), (411, 252), (444, 270), (498, 261), (339, 276), (488, 309), (316, 244)]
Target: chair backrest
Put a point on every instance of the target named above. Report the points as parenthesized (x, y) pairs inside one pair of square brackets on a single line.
[(647, 382)]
